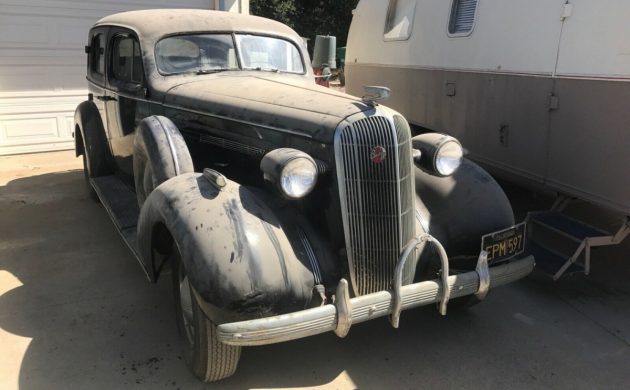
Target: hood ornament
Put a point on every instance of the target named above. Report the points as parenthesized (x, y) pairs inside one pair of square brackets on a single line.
[(374, 93)]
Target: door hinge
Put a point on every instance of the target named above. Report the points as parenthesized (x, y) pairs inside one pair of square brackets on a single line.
[(567, 11), (554, 102)]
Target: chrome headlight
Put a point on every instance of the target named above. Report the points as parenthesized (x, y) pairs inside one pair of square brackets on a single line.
[(293, 172), (448, 157), (439, 155)]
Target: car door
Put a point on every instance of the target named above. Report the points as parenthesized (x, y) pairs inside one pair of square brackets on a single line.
[(125, 101), (96, 69)]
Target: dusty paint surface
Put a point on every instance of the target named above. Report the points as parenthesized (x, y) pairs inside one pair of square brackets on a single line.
[(77, 312)]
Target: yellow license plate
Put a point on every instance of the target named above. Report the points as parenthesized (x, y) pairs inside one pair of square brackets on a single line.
[(505, 243)]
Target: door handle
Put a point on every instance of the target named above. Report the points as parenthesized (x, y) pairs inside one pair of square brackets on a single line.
[(106, 98)]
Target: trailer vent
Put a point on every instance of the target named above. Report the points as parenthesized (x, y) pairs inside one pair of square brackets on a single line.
[(462, 17)]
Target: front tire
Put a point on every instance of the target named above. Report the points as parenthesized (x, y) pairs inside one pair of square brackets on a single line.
[(209, 359)]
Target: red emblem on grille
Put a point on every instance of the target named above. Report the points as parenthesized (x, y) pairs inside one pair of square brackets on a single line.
[(378, 154)]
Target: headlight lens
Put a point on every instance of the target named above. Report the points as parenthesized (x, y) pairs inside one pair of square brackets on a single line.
[(298, 177), (448, 158)]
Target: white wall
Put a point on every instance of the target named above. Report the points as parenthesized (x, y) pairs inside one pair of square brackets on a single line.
[(43, 64), (508, 36), (596, 39)]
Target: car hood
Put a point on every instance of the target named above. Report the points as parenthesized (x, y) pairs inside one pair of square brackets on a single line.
[(284, 102)]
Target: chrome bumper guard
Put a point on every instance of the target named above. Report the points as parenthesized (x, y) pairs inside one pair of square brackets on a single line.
[(339, 316)]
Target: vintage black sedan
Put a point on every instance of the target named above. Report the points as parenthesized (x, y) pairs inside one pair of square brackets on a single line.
[(281, 208)]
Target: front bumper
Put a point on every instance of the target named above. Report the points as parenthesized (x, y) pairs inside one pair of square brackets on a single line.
[(338, 317)]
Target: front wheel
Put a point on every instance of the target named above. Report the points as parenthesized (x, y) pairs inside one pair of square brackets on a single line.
[(209, 359)]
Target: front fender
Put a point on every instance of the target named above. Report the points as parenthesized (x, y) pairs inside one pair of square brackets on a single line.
[(461, 208), (235, 250)]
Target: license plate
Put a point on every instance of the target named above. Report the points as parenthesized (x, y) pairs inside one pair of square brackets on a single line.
[(505, 243)]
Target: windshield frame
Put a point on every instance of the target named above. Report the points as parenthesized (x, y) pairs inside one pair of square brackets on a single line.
[(237, 50)]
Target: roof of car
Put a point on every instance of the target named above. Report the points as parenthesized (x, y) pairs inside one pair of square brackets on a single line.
[(155, 23)]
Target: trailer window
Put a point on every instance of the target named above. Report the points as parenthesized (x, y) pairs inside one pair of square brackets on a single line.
[(462, 18), (399, 22)]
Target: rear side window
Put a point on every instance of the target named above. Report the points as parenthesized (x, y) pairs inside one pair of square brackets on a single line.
[(399, 22), (126, 59), (462, 18), (97, 54)]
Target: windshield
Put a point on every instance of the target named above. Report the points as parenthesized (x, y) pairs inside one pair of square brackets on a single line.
[(265, 53), (209, 53)]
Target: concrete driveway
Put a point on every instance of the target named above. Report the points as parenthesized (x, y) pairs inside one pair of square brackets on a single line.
[(77, 313)]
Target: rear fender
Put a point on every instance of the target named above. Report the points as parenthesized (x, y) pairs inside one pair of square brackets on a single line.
[(234, 247), (90, 139)]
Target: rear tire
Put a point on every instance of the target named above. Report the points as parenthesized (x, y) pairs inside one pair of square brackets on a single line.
[(209, 359)]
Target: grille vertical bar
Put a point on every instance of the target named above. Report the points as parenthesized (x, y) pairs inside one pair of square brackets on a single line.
[(376, 199)]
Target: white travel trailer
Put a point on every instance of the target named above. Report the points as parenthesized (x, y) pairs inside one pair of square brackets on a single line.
[(536, 90)]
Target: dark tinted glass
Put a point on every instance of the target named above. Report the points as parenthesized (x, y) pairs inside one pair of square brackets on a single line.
[(126, 60)]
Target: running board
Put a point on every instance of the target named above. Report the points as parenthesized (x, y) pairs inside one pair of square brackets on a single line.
[(121, 204)]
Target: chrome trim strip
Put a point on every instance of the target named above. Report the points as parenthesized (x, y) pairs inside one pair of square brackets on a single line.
[(394, 130), (423, 222), (231, 145), (311, 256), (325, 318), (294, 132), (170, 146), (343, 196)]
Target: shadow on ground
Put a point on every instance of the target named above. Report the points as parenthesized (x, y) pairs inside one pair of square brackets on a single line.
[(95, 322)]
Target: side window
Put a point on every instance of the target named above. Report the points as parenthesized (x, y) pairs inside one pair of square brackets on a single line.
[(462, 18), (97, 55), (399, 22), (126, 60)]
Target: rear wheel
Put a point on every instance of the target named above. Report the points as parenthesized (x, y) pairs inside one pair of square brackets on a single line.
[(209, 359)]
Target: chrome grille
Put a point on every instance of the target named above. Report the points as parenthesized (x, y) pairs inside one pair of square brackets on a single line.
[(377, 199)]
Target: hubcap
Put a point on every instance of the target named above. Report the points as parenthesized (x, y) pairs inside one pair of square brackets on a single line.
[(185, 301)]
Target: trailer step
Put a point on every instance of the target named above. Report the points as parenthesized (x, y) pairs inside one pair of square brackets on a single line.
[(563, 244), (550, 262), (567, 226)]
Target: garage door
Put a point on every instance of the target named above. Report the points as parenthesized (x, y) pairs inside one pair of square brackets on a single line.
[(42, 66)]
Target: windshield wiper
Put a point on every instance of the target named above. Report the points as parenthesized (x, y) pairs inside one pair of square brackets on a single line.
[(274, 70), (210, 71)]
